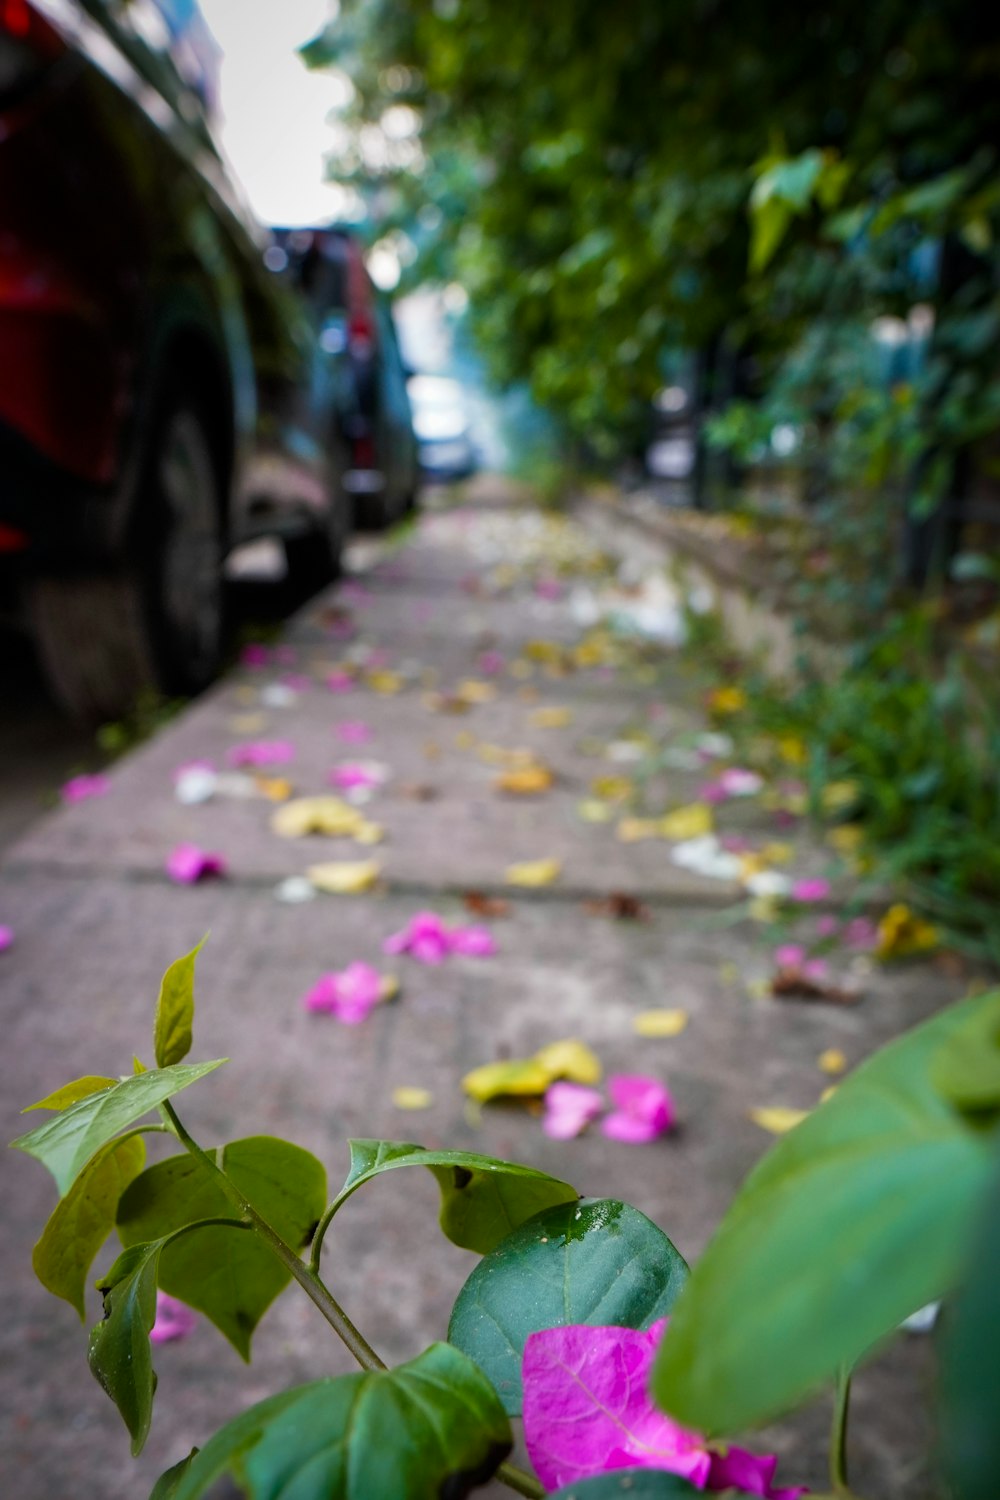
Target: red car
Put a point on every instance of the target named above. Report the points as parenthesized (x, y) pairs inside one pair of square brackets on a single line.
[(163, 396)]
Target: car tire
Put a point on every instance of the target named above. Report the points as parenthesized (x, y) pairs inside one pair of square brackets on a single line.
[(155, 620), (315, 558)]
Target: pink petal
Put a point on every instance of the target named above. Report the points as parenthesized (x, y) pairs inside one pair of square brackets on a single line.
[(79, 788), (429, 949), (569, 1109), (712, 792), (738, 782), (261, 753), (490, 663), (187, 864), (827, 926), (255, 655), (816, 969), (339, 682), (320, 999), (352, 731), (789, 956), (643, 1109), (810, 890), (174, 1320), (187, 766), (351, 774), (297, 681), (861, 932), (750, 1474), (6, 938), (586, 1410), (473, 942)]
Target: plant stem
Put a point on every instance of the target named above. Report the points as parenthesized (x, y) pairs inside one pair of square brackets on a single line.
[(838, 1437), (320, 1234), (521, 1483)]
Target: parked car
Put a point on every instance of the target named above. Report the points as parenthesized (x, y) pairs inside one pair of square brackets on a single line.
[(353, 325), (441, 423), (162, 397)]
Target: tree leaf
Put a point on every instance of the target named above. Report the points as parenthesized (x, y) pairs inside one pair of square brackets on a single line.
[(430, 1427), (482, 1197), (597, 1262), (967, 1068), (850, 1223), (82, 1221), (229, 1275), (626, 1484), (166, 1486), (66, 1143), (120, 1355), (970, 1369), (172, 1026), (80, 1088)]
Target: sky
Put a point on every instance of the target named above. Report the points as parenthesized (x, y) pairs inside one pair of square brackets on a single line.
[(274, 128)]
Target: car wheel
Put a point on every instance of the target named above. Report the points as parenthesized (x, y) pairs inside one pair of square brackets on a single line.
[(156, 619), (315, 558)]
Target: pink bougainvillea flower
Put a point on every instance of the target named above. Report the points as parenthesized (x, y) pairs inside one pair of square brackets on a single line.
[(827, 926), (807, 891), (188, 864), (428, 939), (261, 753), (587, 1412), (789, 956), (6, 938), (569, 1109), (353, 731), (254, 654), (736, 781), (348, 995), (355, 773), (174, 1320), (549, 588), (643, 1109), (79, 788), (816, 969), (188, 766), (339, 681), (862, 933), (712, 792), (490, 663)]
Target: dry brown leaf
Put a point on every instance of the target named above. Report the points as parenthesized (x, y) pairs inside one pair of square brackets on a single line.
[(793, 984), (482, 905)]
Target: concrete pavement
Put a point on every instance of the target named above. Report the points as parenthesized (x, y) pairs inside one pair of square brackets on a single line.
[(96, 923)]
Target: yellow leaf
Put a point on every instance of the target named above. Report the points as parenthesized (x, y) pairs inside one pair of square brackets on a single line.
[(345, 877), (612, 788), (388, 988), (901, 934), (832, 1061), (274, 788), (727, 700), (324, 814), (409, 1097), (777, 1119), (385, 682), (524, 1078), (689, 822), (592, 810), (634, 830), (793, 749), (552, 718), (569, 1059), (659, 1023), (846, 839), (472, 691), (526, 783), (534, 872)]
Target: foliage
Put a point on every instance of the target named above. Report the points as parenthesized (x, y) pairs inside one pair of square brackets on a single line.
[(853, 1220)]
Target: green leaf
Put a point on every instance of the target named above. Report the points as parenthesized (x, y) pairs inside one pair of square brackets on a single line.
[(482, 1198), (120, 1354), (82, 1221), (172, 1027), (80, 1088), (433, 1426), (65, 1144), (854, 1220), (597, 1261), (165, 1487), (970, 1368), (626, 1484), (967, 1068), (229, 1275)]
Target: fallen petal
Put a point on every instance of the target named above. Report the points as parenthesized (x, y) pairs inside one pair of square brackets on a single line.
[(569, 1109)]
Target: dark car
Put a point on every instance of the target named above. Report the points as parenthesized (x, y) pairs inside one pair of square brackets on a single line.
[(162, 397), (353, 323)]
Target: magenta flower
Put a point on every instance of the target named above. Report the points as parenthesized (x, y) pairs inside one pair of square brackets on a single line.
[(807, 891), (643, 1109), (827, 926), (174, 1320), (80, 788), (261, 753), (587, 1412), (353, 731), (348, 995), (491, 663), (712, 792), (187, 864), (549, 588), (569, 1109), (255, 655), (789, 956), (737, 782), (861, 932), (428, 939), (339, 681), (355, 773), (6, 938)]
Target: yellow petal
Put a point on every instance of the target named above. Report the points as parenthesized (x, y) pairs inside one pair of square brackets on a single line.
[(592, 810), (534, 872), (368, 833), (473, 691), (658, 1023), (832, 1061), (526, 783), (522, 1077), (274, 788), (612, 788), (793, 750), (634, 830), (569, 1059), (385, 682), (727, 700), (345, 877), (323, 814), (689, 822), (776, 1118), (248, 723), (552, 718), (409, 1097)]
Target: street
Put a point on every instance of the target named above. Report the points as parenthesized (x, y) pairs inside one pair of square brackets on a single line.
[(454, 655)]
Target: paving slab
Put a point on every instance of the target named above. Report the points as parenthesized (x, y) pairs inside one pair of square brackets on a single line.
[(97, 923)]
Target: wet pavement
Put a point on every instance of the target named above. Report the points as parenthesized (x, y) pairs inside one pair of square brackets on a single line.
[(463, 642)]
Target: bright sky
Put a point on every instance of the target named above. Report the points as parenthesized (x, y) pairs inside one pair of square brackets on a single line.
[(274, 108)]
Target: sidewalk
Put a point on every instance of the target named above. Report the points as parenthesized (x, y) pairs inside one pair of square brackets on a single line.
[(466, 598)]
